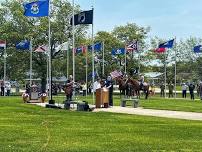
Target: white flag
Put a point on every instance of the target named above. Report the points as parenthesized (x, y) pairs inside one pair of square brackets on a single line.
[(62, 47)]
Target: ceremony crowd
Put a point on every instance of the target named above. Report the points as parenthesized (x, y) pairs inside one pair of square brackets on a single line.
[(81, 87)]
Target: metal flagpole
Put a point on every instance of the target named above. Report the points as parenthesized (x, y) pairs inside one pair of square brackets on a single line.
[(93, 64), (86, 72), (5, 56), (175, 67), (139, 62), (68, 60), (138, 57), (73, 46), (125, 61), (50, 58), (30, 70), (103, 55), (47, 73), (165, 73)]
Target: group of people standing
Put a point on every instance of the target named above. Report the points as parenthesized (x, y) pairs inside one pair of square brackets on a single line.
[(191, 88), (184, 87), (170, 90), (5, 89)]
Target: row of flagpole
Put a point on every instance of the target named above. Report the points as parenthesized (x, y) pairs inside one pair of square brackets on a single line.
[(49, 65), (49, 69)]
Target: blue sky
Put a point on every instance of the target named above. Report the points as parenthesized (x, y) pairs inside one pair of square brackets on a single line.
[(167, 18)]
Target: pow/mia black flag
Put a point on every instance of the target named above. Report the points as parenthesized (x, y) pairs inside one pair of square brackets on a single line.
[(85, 17)]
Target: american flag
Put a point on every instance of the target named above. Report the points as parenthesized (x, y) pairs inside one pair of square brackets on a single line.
[(81, 49), (116, 74), (42, 48), (132, 46), (2, 44)]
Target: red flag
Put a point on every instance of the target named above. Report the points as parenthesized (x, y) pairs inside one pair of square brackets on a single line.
[(160, 50)]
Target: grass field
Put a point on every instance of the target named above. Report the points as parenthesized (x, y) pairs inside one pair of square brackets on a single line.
[(28, 128)]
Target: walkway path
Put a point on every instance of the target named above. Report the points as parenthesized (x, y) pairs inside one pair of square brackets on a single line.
[(144, 112), (152, 112)]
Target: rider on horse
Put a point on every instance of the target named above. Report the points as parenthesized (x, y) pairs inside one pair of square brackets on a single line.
[(125, 78), (141, 80)]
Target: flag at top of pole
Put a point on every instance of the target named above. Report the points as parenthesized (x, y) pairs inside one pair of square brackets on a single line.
[(2, 44), (168, 44), (198, 49), (160, 50), (23, 45), (120, 51), (97, 47), (85, 17), (163, 46), (42, 49), (81, 49), (132, 46), (39, 8)]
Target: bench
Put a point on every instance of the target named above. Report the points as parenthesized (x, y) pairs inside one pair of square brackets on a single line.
[(135, 102)]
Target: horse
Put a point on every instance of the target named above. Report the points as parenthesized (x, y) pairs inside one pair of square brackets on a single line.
[(137, 87), (122, 86)]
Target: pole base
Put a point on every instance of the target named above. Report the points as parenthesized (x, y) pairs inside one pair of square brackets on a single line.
[(51, 101), (53, 106)]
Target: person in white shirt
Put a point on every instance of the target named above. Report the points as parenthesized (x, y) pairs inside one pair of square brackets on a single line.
[(84, 88), (184, 90), (8, 88), (96, 85)]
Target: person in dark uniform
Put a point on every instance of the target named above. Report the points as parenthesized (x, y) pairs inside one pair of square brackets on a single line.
[(191, 90), (162, 87), (2, 89), (108, 84), (27, 87), (170, 88)]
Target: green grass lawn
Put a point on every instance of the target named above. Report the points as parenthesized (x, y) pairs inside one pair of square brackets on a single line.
[(28, 128)]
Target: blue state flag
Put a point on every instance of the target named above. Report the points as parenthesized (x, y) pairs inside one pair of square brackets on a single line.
[(97, 47), (37, 8), (168, 44), (23, 45), (198, 49), (120, 51)]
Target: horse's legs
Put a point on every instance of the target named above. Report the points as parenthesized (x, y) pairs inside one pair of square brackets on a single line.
[(138, 94), (146, 93)]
